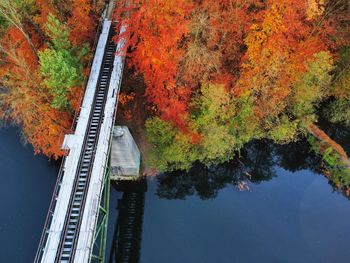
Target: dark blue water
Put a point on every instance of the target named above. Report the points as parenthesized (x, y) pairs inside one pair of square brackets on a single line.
[(26, 183), (293, 218), (288, 211), (273, 206)]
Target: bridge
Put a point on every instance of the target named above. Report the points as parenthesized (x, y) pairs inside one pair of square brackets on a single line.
[(76, 225)]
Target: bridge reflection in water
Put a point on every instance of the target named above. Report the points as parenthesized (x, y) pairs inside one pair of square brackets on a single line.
[(126, 246)]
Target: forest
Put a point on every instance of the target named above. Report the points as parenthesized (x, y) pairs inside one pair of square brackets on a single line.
[(45, 49), (218, 74)]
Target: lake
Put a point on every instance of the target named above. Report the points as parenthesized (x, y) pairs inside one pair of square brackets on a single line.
[(273, 205)]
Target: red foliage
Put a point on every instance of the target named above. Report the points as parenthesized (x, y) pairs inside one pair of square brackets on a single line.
[(28, 101), (263, 47), (229, 22), (45, 8), (156, 28), (81, 22), (16, 46)]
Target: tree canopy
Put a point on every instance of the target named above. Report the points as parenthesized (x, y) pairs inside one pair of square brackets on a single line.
[(43, 51), (221, 73)]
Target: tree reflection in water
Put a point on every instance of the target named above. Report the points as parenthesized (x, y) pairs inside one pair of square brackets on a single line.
[(257, 163)]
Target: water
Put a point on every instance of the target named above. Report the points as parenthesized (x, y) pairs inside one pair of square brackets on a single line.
[(273, 206), (295, 217), (26, 187)]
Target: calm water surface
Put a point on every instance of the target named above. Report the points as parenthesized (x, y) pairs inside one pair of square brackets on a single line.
[(293, 218), (287, 211), (26, 187)]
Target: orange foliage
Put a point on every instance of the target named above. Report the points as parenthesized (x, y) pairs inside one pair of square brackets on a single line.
[(124, 101), (46, 135), (26, 102), (45, 8), (75, 97), (126, 98), (15, 46), (278, 50), (229, 22), (158, 34), (255, 48), (82, 22), (156, 28)]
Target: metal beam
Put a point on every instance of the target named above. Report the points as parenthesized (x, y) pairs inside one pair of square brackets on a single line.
[(98, 252)]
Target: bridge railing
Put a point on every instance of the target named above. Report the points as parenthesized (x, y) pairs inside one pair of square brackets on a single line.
[(49, 215)]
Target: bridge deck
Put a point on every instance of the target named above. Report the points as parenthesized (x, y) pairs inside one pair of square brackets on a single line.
[(72, 217)]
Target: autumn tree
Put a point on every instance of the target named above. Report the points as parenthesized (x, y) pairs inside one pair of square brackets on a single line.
[(60, 65), (232, 71), (216, 43), (15, 13), (82, 22), (25, 101), (339, 109), (286, 69), (41, 66), (149, 27)]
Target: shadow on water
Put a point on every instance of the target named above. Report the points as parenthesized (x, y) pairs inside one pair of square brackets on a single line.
[(256, 164), (127, 236)]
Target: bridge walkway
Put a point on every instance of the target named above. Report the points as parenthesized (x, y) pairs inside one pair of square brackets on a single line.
[(69, 229)]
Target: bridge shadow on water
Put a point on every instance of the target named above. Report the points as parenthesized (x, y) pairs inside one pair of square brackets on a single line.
[(127, 236)]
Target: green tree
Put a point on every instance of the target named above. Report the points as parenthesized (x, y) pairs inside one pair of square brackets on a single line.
[(61, 64), (212, 122), (339, 109), (312, 87), (225, 123), (284, 131), (170, 149)]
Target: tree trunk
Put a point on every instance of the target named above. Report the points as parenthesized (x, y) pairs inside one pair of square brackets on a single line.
[(37, 29), (323, 137)]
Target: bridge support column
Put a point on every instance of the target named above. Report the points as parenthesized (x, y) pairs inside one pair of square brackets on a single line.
[(100, 236)]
